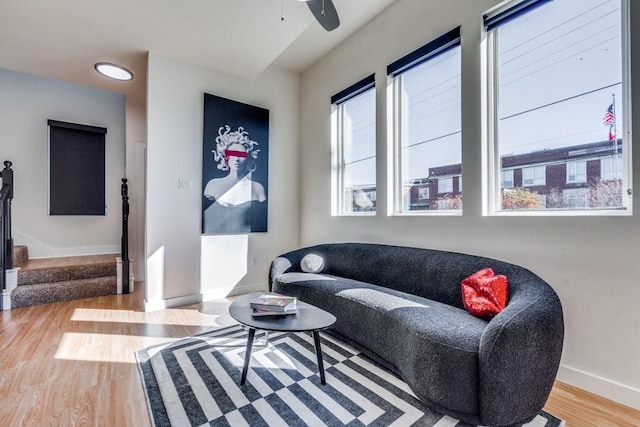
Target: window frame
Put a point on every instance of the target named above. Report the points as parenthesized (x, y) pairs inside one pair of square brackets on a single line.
[(424, 193), (448, 186), (576, 194), (536, 176), (491, 171), (579, 166), (338, 193), (395, 108), (503, 173), (614, 172)]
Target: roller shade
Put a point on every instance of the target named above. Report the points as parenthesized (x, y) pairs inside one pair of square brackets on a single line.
[(501, 17), (354, 90), (430, 50)]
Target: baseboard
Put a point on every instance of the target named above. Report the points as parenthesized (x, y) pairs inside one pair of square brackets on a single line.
[(11, 279), (172, 302), (237, 290), (11, 282), (608, 389), (205, 296), (5, 299)]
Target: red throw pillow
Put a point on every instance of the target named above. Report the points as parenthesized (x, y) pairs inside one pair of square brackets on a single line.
[(484, 293)]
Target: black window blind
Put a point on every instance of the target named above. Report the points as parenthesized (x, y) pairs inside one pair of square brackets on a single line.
[(501, 17), (354, 90), (76, 169), (430, 50)]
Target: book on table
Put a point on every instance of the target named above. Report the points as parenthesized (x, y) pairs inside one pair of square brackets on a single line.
[(258, 312), (274, 303)]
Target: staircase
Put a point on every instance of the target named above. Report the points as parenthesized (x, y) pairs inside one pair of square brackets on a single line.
[(49, 280)]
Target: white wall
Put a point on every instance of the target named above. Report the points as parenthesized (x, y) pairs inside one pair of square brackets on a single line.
[(182, 265), (25, 105), (592, 262), (135, 167)]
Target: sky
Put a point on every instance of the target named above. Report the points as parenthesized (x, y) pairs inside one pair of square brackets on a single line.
[(559, 67), (360, 149), (564, 49)]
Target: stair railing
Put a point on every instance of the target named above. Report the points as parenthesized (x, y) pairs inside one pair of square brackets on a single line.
[(6, 240), (124, 255)]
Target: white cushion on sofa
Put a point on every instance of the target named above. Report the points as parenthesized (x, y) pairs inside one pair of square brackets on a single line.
[(312, 263)]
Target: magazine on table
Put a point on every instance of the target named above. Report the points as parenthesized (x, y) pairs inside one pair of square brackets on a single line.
[(258, 312), (274, 303)]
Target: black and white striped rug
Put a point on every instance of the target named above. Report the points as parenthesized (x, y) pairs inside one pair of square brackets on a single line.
[(195, 382)]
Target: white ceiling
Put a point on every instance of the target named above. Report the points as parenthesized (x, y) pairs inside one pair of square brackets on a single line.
[(63, 39)]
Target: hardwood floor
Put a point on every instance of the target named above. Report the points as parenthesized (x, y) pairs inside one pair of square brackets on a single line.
[(73, 364), (580, 408)]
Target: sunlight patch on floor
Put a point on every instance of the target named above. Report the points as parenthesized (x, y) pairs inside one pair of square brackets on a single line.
[(104, 347), (182, 317)]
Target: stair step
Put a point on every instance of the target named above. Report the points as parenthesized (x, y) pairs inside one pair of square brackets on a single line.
[(20, 255), (66, 269), (46, 293)]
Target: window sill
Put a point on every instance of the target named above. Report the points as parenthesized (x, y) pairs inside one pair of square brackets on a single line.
[(356, 214), (572, 213), (427, 213)]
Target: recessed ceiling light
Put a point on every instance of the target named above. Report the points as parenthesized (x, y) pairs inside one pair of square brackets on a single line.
[(114, 71)]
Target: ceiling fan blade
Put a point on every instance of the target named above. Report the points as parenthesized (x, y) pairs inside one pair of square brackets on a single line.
[(326, 14)]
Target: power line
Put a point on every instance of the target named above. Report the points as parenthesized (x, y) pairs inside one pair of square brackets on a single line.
[(455, 86), (537, 61), (431, 140), (557, 26), (360, 160), (363, 124), (559, 101), (562, 35), (422, 93), (559, 61), (554, 139), (422, 115), (449, 109), (414, 112)]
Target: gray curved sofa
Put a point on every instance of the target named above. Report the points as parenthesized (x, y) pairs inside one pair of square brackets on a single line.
[(403, 308)]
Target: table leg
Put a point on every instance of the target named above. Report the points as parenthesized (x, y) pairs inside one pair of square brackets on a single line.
[(316, 341), (247, 356)]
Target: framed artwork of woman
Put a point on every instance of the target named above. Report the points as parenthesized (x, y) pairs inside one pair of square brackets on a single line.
[(234, 167)]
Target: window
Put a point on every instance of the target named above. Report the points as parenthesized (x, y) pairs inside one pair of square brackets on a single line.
[(577, 198), (445, 185), (423, 193), (506, 178), (427, 143), (77, 174), (355, 149), (576, 172), (534, 176), (557, 87), (610, 168)]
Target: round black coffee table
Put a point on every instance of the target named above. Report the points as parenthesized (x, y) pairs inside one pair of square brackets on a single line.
[(308, 318)]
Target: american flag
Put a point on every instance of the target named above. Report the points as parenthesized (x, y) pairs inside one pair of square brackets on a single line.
[(609, 117)]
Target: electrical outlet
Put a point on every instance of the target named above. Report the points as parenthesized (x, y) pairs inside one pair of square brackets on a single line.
[(185, 183)]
